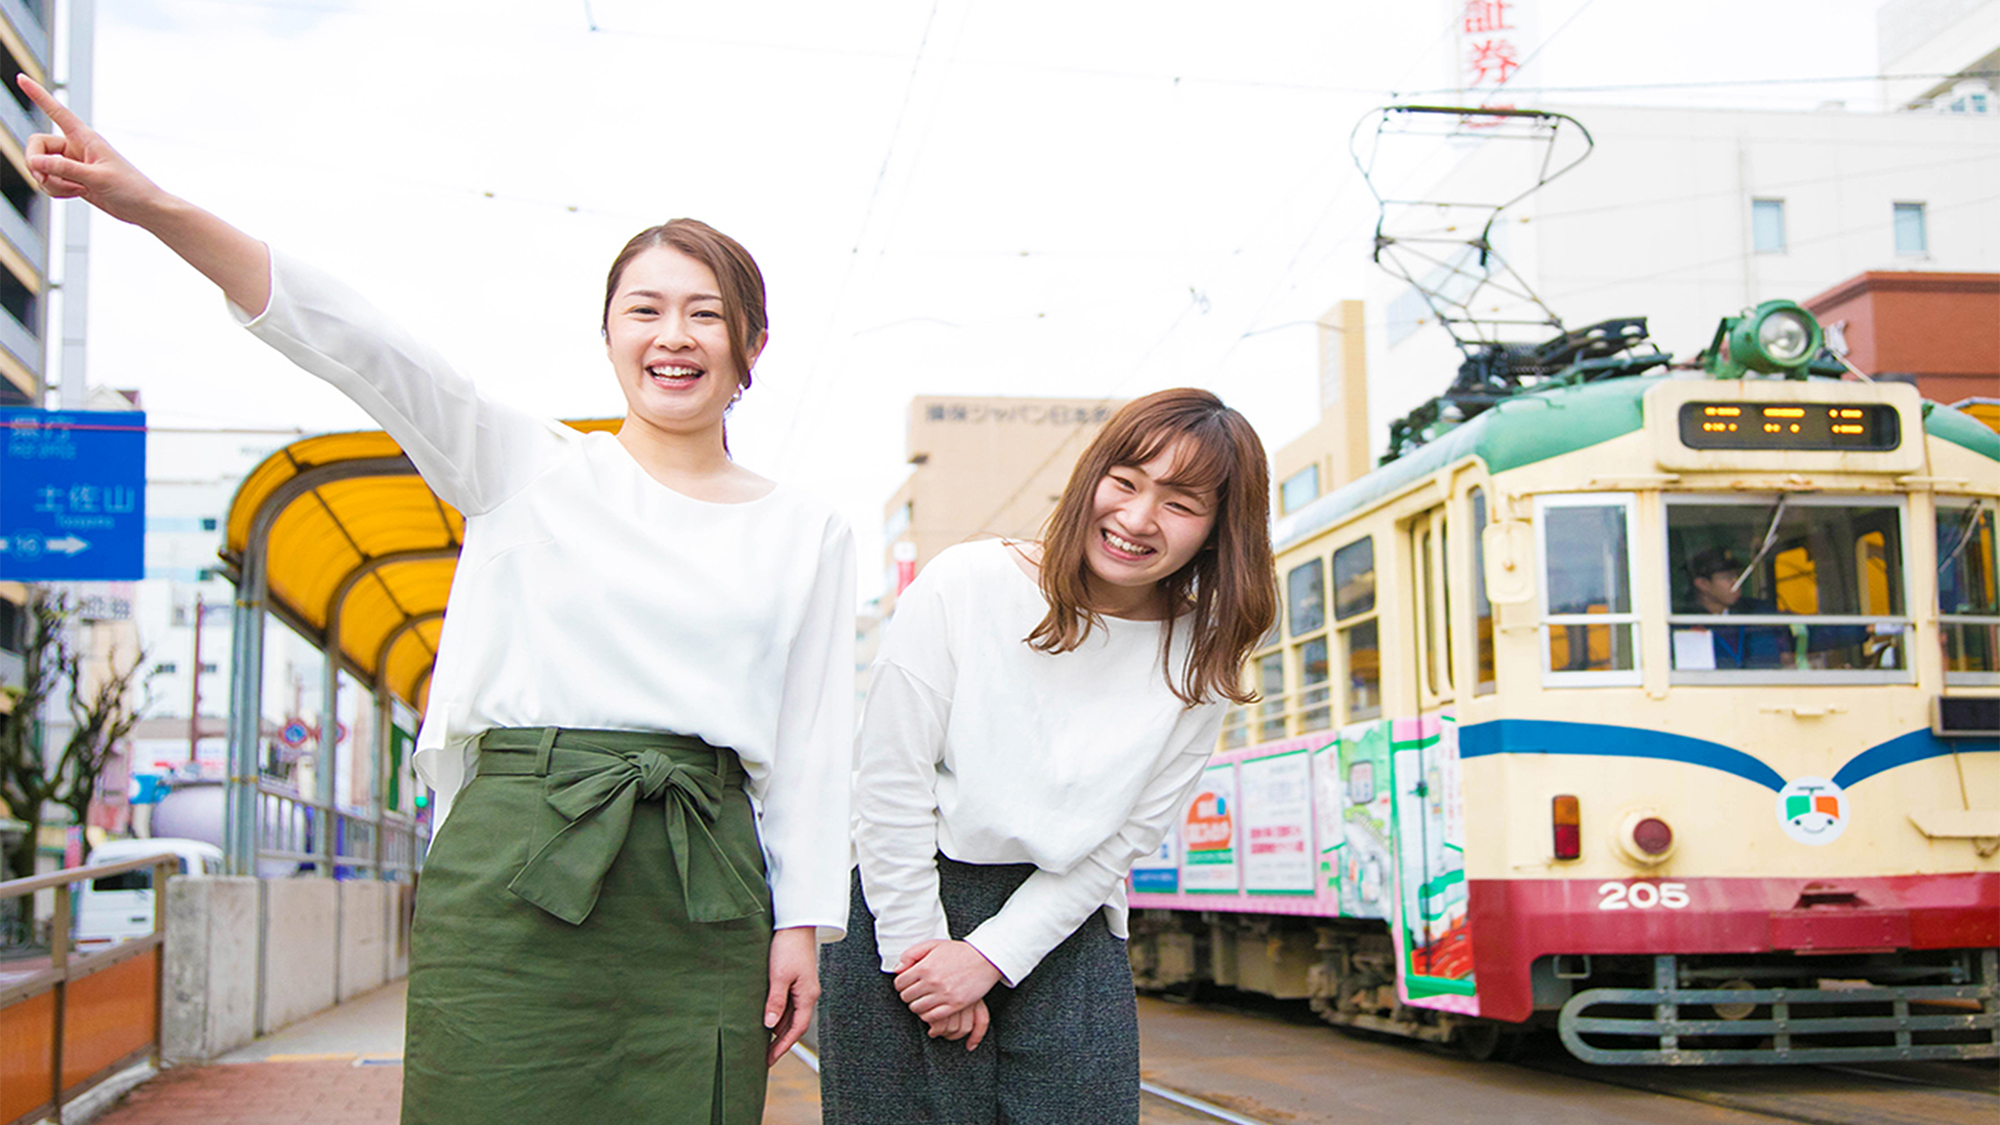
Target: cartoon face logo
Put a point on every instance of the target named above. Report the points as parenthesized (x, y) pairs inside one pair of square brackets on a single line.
[(1812, 810)]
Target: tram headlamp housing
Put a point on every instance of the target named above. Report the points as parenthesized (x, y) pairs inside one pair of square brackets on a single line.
[(1775, 338), (1645, 839)]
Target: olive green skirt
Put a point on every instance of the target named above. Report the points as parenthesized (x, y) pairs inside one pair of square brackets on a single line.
[(592, 937)]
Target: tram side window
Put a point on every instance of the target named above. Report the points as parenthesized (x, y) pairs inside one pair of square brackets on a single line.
[(1271, 685), (1239, 719), (1589, 622), (1360, 643), (1798, 589), (1305, 589), (1482, 608), (1968, 593)]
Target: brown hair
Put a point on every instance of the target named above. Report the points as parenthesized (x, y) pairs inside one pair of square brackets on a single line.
[(1230, 587), (735, 272)]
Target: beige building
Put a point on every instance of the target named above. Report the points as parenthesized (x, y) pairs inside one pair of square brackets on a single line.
[(981, 467), (1335, 450)]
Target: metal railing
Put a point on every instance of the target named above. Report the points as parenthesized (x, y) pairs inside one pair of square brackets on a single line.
[(1279, 715), (289, 830), (63, 1048)]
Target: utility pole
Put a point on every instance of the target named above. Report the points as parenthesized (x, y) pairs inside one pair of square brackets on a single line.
[(194, 704), (75, 286)]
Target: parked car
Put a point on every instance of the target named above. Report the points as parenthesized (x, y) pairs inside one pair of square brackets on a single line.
[(113, 908)]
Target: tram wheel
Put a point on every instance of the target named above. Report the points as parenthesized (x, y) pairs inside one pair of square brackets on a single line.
[(1488, 1042)]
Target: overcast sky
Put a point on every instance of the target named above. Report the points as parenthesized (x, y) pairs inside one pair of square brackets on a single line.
[(1029, 197)]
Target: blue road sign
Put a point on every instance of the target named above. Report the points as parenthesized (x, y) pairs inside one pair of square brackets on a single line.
[(72, 495)]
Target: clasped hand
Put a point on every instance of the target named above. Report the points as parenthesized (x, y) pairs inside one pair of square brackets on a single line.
[(945, 983)]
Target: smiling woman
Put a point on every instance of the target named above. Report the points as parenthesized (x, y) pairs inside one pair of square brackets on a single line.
[(608, 929), (1038, 715)]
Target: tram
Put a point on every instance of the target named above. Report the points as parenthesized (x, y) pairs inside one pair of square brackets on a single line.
[(1657, 705)]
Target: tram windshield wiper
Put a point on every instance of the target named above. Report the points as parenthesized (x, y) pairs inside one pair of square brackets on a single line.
[(1968, 528), (1770, 540)]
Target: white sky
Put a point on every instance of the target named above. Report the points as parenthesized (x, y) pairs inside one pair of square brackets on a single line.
[(1032, 197)]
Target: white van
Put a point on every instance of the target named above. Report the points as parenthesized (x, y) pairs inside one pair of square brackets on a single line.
[(115, 907)]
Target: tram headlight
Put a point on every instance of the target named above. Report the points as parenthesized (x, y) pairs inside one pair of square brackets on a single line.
[(1786, 336), (1776, 337), (1645, 838)]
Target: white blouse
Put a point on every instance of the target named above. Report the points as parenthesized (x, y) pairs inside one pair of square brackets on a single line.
[(975, 745), (589, 594)]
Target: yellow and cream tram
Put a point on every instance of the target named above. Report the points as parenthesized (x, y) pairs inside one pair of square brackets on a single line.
[(1659, 706)]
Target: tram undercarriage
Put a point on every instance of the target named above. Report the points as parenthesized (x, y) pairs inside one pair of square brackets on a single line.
[(1661, 1010)]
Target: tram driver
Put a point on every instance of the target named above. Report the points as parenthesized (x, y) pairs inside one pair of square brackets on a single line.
[(1717, 577)]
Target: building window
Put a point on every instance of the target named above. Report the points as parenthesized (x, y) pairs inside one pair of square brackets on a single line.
[(1911, 237), (165, 668), (208, 525), (1767, 226), (1299, 489)]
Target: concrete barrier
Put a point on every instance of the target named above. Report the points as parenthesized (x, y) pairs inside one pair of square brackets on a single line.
[(364, 931), (209, 1000), (301, 950), (246, 957)]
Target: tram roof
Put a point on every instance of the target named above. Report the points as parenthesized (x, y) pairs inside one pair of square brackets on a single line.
[(352, 532), (1543, 424)]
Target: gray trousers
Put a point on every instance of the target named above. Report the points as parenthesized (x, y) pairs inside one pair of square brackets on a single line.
[(1063, 1047)]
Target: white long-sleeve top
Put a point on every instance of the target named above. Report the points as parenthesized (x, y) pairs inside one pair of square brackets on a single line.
[(588, 594), (975, 745)]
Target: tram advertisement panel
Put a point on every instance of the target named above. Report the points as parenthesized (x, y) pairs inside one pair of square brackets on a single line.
[(1432, 935), (1366, 810), (1160, 873), (1327, 832), (1277, 823), (1210, 834)]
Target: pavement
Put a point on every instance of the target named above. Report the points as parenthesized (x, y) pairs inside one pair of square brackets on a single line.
[(344, 1066)]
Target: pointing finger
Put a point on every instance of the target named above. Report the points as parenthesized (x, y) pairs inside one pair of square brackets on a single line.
[(68, 122)]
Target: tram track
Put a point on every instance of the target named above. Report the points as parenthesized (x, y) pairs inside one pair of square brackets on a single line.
[(1286, 1067), (1260, 1062), (1842, 1094), (1181, 1104)]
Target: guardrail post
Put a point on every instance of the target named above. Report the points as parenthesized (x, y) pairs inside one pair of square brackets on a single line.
[(163, 871), (59, 961)]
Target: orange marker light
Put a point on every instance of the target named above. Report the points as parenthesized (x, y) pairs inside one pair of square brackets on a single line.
[(1567, 820)]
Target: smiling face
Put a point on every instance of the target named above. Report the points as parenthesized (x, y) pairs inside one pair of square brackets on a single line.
[(1146, 524), (667, 334)]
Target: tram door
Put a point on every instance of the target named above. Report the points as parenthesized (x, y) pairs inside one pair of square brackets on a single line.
[(1430, 814)]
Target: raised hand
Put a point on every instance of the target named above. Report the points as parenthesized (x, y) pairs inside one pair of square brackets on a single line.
[(77, 163)]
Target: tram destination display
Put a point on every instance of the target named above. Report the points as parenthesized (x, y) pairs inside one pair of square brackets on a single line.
[(1866, 427)]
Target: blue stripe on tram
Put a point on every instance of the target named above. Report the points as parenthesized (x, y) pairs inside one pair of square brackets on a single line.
[(1912, 747), (1542, 736)]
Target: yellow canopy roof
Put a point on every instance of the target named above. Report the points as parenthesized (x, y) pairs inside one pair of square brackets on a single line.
[(354, 535)]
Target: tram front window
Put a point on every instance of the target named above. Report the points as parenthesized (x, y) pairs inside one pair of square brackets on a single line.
[(1794, 589), (1968, 592), (1589, 624)]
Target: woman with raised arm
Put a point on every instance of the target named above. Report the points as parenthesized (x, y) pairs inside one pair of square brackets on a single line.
[(1039, 715), (641, 716)]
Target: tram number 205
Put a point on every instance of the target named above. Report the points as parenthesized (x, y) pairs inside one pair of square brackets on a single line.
[(1642, 896)]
